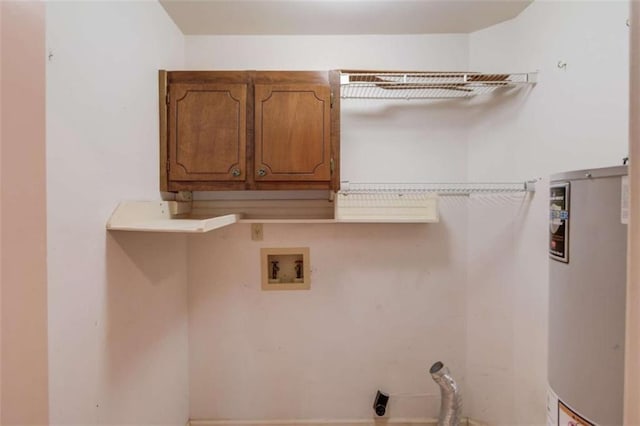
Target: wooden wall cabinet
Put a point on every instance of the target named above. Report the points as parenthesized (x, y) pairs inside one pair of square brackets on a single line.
[(236, 130)]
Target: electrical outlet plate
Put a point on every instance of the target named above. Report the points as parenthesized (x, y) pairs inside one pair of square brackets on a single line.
[(256, 232), (286, 268)]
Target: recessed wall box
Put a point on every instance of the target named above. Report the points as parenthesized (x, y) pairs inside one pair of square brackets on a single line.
[(285, 268)]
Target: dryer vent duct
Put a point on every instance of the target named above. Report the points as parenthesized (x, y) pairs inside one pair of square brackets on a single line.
[(451, 400)]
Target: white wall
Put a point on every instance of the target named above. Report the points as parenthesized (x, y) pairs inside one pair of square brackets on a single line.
[(574, 118), (386, 301), (117, 302), (403, 52)]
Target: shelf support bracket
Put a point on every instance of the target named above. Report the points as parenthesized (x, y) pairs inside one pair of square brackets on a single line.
[(530, 186), (184, 196)]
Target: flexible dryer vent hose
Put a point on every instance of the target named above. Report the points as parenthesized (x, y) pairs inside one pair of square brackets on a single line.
[(451, 400)]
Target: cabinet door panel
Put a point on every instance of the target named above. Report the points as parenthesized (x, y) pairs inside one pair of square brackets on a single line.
[(292, 132), (207, 132)]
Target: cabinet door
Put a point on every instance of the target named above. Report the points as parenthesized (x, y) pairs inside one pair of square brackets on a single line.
[(292, 132), (207, 132)]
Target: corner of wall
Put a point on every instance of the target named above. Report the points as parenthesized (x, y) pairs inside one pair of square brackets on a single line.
[(23, 264)]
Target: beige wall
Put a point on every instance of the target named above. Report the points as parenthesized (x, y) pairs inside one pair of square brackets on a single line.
[(632, 367), (23, 215), (1, 8)]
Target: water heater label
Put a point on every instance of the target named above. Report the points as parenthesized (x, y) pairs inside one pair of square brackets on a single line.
[(568, 417), (559, 222), (552, 407), (624, 201)]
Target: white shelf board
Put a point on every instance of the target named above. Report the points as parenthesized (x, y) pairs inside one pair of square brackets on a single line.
[(160, 216), (180, 217)]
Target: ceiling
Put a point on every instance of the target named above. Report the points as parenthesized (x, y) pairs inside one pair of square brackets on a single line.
[(325, 17)]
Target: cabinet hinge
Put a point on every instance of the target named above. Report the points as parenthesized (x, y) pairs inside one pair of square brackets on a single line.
[(331, 99), (332, 166), (167, 97)]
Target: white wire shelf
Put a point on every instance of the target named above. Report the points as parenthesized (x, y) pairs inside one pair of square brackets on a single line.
[(426, 85), (347, 188)]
